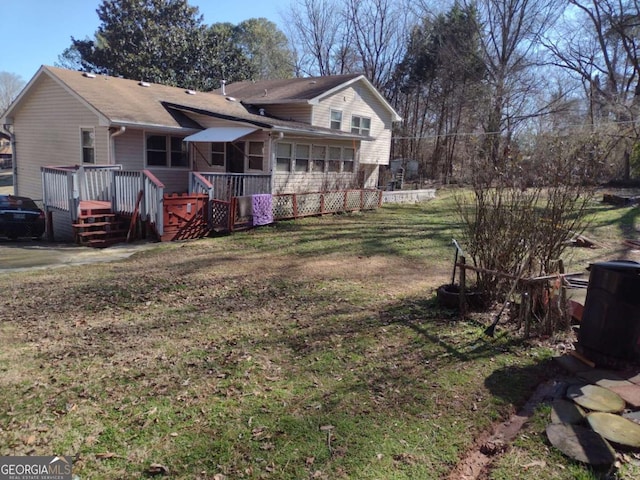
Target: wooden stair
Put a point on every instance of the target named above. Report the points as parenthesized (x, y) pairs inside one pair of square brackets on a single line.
[(98, 226)]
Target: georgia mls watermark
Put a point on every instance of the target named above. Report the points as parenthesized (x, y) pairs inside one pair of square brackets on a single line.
[(35, 468)]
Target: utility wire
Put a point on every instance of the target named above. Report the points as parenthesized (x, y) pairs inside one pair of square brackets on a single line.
[(478, 134)]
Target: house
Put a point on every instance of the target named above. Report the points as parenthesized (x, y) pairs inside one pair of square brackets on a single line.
[(5, 151), (287, 136)]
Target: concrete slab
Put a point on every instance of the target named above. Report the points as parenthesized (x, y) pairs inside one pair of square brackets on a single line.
[(30, 255)]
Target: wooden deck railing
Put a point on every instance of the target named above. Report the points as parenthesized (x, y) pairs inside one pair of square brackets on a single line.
[(228, 185), (58, 188), (153, 201), (65, 187), (199, 184), (95, 182), (127, 185)]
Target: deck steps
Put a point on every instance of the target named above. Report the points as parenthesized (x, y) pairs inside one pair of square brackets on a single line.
[(97, 226)]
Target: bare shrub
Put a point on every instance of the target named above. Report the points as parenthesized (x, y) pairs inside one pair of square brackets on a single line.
[(528, 209)]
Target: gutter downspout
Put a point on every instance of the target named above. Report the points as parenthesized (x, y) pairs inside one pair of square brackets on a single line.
[(273, 147), (8, 127), (112, 145), (112, 160)]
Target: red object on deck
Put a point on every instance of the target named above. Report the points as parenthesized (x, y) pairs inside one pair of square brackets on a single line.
[(185, 216)]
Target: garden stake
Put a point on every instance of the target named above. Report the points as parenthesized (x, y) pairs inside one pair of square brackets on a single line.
[(455, 261), (491, 329)]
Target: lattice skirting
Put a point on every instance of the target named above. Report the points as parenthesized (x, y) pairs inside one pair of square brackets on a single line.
[(287, 206)]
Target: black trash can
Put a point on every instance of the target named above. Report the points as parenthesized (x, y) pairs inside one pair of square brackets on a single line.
[(610, 329)]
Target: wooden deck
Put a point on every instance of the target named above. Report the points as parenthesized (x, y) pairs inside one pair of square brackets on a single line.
[(93, 205), (98, 226)]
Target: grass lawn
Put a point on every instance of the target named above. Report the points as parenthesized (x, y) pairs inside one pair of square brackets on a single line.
[(309, 349)]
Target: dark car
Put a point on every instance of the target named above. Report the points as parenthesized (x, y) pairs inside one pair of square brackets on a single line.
[(20, 217)]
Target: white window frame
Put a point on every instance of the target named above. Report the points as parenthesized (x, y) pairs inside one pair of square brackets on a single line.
[(168, 151), (332, 121), (357, 127), (319, 160), (255, 156), (348, 164), (301, 160), (335, 161), (220, 154), (280, 159), (92, 147)]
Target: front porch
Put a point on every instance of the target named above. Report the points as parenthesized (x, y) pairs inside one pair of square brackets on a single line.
[(102, 205)]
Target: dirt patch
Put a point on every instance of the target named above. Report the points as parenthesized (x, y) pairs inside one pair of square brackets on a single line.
[(491, 444)]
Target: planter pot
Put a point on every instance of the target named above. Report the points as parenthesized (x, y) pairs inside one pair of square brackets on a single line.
[(449, 297)]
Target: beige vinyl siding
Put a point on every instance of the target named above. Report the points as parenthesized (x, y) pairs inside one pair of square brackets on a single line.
[(47, 127), (130, 153), (129, 149), (290, 182), (358, 100)]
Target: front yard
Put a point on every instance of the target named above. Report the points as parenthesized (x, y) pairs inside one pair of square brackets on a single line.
[(308, 349)]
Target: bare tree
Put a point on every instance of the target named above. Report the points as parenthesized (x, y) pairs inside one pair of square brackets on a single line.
[(348, 36), (598, 44), (379, 31), (319, 35), (10, 86), (510, 30)]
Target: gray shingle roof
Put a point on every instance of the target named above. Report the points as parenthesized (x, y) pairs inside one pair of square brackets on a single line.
[(122, 101), (126, 101), (291, 90)]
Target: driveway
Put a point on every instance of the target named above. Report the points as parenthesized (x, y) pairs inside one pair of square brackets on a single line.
[(29, 255)]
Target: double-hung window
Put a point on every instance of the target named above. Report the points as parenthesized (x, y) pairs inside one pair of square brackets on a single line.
[(335, 155), (166, 151), (179, 156), (255, 155), (360, 125), (318, 156), (348, 157), (87, 137), (302, 158), (218, 154), (283, 157), (336, 120)]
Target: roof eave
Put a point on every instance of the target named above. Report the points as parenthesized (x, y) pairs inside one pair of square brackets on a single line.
[(103, 119), (152, 126), (321, 133)]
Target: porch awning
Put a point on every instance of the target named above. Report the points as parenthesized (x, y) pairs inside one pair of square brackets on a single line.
[(220, 134)]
